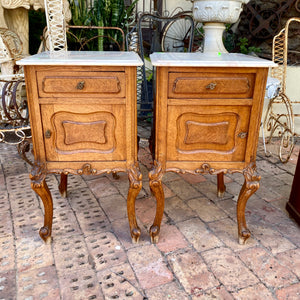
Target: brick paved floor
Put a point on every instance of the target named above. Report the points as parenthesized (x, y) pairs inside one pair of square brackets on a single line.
[(198, 256)]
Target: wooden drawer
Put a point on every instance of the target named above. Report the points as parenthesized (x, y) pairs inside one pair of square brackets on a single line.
[(207, 133), (84, 132), (81, 84), (210, 85)]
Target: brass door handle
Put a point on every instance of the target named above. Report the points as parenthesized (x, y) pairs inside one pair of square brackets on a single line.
[(211, 86), (242, 135), (48, 134), (80, 85)]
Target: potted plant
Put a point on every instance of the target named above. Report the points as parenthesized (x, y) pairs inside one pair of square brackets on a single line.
[(104, 13)]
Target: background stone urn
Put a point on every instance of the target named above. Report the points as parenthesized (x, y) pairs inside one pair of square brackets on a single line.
[(214, 14)]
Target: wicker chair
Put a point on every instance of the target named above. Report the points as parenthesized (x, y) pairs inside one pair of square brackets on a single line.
[(279, 118)]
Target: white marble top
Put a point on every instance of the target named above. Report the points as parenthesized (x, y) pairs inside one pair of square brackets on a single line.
[(84, 58), (197, 59)]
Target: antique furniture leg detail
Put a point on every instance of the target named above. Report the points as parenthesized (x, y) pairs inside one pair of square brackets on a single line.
[(63, 185), (250, 186), (115, 175), (155, 177), (135, 185), (221, 185), (39, 185), (23, 148)]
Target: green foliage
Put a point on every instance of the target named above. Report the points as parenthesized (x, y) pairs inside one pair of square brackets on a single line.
[(104, 13), (80, 13), (37, 23), (229, 41), (81, 16), (233, 43), (245, 48)]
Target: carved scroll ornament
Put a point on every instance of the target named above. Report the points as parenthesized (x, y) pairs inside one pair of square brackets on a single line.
[(252, 178), (156, 174), (38, 175), (135, 176), (205, 168)]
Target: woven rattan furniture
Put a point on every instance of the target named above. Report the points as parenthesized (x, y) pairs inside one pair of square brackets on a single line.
[(279, 118)]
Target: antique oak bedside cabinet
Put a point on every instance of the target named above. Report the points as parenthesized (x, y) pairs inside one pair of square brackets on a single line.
[(207, 117), (83, 119)]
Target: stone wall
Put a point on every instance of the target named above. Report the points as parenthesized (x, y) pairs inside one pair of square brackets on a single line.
[(263, 38)]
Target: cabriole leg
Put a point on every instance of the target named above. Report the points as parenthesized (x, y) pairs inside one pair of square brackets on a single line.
[(39, 185), (249, 187), (135, 185), (63, 185), (221, 185), (155, 177)]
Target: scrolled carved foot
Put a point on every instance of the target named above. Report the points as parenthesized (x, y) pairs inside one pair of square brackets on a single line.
[(135, 235), (155, 177), (39, 185), (250, 186), (244, 236), (221, 194), (135, 185), (63, 194), (154, 234), (45, 234)]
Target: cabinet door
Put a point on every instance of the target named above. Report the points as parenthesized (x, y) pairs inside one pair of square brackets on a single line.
[(84, 132), (207, 133)]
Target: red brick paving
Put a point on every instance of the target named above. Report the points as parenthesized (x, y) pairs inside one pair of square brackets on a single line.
[(289, 293), (192, 272), (198, 256), (228, 269), (150, 266), (267, 268)]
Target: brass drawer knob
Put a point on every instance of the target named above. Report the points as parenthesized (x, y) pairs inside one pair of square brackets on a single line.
[(80, 85), (47, 134), (211, 86)]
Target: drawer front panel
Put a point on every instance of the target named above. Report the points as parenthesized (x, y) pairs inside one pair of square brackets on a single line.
[(207, 133), (81, 84), (71, 135), (209, 85)]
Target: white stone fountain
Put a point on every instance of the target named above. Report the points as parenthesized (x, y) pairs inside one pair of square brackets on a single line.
[(214, 14)]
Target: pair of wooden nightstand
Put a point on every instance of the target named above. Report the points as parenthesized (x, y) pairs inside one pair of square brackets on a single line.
[(84, 121)]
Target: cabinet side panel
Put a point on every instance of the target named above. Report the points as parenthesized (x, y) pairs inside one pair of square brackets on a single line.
[(161, 114), (34, 113), (256, 113), (131, 116)]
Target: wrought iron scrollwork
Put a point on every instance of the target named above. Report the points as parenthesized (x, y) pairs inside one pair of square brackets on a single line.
[(14, 118)]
